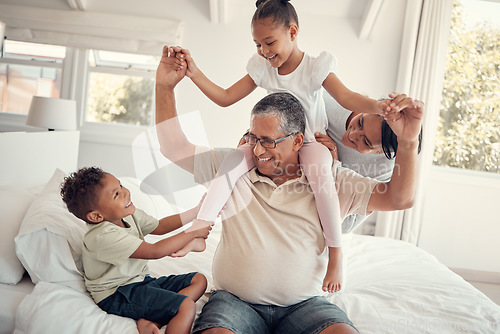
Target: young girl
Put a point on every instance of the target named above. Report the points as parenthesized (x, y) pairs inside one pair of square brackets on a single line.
[(280, 65)]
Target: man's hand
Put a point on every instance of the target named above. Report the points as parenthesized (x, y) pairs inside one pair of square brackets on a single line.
[(169, 74), (329, 143), (405, 117)]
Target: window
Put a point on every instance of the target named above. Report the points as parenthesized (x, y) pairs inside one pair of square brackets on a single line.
[(120, 88), (28, 69), (468, 134)]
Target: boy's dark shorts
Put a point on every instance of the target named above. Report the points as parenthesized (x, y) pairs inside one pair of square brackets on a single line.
[(154, 299)]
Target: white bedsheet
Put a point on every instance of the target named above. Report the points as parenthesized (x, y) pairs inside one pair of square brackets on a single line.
[(392, 287), (11, 297)]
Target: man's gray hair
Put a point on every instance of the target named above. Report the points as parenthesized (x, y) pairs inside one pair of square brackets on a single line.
[(286, 108)]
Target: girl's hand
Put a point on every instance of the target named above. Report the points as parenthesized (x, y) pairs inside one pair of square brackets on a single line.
[(184, 57), (329, 143), (242, 139), (405, 117), (384, 106)]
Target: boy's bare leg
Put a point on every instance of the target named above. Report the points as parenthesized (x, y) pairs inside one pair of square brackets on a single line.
[(197, 287), (183, 320), (147, 327), (333, 278)]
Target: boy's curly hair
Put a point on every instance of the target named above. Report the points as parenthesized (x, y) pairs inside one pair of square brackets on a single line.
[(78, 190)]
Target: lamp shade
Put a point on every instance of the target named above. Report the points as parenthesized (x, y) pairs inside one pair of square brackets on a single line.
[(52, 113)]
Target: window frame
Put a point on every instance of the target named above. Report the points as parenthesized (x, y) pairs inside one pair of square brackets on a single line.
[(102, 132), (457, 172), (76, 70), (17, 122)]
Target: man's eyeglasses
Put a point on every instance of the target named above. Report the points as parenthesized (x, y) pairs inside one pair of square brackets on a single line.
[(265, 142)]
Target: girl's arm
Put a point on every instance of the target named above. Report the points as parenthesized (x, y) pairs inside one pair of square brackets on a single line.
[(222, 97), (351, 100)]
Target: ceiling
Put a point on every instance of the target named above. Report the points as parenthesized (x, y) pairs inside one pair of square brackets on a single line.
[(335, 8), (219, 11)]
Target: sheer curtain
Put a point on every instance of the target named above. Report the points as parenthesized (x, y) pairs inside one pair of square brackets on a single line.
[(420, 76)]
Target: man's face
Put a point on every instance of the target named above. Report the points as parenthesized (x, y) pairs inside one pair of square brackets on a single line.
[(282, 162)]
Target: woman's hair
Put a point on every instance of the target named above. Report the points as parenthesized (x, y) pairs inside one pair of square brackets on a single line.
[(281, 11), (286, 108), (78, 190), (390, 140)]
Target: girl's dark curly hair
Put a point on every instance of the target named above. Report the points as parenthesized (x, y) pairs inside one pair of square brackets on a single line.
[(78, 190), (281, 11)]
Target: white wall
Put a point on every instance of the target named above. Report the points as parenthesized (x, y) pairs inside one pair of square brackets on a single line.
[(461, 225), (222, 51)]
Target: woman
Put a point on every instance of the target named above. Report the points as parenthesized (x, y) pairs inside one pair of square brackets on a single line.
[(364, 143)]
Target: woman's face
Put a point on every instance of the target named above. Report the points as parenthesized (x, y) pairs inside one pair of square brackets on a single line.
[(364, 133)]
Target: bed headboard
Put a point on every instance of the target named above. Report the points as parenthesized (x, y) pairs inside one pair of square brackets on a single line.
[(28, 159)]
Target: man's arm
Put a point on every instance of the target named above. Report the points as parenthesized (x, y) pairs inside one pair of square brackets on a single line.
[(174, 144), (405, 121)]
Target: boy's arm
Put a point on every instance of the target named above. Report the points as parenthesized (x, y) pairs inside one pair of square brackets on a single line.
[(222, 97), (166, 247), (171, 223), (398, 194), (351, 100)]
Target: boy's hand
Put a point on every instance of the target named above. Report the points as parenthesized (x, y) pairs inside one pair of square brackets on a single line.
[(200, 228)]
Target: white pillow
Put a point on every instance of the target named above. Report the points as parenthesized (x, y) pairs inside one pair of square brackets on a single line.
[(53, 308), (50, 238), (14, 202)]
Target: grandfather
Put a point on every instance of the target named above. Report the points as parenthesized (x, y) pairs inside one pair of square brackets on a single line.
[(271, 259)]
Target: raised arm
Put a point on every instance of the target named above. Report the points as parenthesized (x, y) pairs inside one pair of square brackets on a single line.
[(406, 121), (351, 100), (173, 142), (222, 97)]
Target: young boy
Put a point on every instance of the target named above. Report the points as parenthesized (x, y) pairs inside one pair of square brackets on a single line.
[(114, 254)]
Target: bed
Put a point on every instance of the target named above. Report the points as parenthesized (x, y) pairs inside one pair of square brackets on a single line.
[(392, 286)]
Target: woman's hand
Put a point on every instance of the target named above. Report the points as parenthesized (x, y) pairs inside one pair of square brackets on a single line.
[(329, 143)]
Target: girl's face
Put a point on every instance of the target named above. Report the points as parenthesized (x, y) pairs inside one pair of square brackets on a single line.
[(363, 133), (274, 42)]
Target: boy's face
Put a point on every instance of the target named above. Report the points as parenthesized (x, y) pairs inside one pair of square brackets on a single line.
[(113, 202)]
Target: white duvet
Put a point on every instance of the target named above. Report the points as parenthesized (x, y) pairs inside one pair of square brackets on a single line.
[(392, 287)]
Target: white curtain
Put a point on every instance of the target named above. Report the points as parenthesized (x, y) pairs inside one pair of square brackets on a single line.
[(420, 76), (112, 32)]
